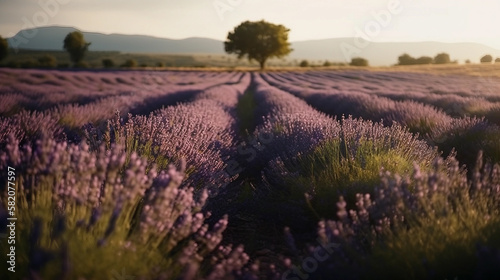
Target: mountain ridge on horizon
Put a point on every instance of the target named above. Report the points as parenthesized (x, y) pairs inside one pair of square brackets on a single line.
[(331, 49)]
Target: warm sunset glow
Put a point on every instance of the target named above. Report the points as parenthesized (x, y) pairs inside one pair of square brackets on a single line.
[(424, 20)]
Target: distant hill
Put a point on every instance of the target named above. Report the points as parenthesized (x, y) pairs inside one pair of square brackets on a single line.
[(51, 38), (378, 54), (387, 53)]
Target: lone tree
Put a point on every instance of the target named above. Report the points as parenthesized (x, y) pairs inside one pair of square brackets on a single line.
[(75, 45), (486, 59), (4, 48), (258, 41)]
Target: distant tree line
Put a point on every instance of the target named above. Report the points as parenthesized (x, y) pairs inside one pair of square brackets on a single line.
[(257, 41), (441, 58), (356, 61), (489, 59)]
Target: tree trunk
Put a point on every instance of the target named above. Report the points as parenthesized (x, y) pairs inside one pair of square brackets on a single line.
[(262, 64)]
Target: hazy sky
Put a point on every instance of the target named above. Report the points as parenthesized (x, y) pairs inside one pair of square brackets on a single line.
[(377, 20)]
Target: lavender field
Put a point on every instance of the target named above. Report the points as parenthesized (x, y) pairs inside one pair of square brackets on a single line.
[(318, 174)]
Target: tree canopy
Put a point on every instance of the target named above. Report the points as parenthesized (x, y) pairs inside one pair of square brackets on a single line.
[(486, 59), (4, 48), (75, 45), (406, 59), (258, 41), (442, 58), (358, 61)]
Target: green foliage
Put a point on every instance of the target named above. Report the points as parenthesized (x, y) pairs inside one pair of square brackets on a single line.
[(29, 63), (304, 63), (406, 59), (358, 61), (4, 48), (333, 171), (81, 64), (130, 63), (47, 61), (486, 59), (108, 63), (442, 58), (62, 234), (91, 214), (440, 239), (245, 110), (424, 60), (351, 164), (76, 46), (327, 63), (258, 41), (467, 137)]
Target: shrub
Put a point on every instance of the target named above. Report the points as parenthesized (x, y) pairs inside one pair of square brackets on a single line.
[(486, 59), (14, 64), (130, 63), (351, 163), (433, 224), (424, 60), (81, 64), (29, 63), (406, 59), (304, 63), (359, 61), (442, 58), (467, 136), (108, 63), (47, 61), (98, 210)]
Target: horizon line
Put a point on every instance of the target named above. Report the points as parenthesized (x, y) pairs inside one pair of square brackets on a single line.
[(202, 37)]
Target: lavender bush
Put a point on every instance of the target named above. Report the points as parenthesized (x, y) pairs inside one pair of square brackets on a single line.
[(419, 227), (78, 206), (232, 175)]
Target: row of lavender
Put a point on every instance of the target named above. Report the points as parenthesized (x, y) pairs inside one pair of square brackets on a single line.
[(132, 210), (42, 89), (456, 95), (62, 106), (303, 161), (63, 92), (468, 134), (121, 194)]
